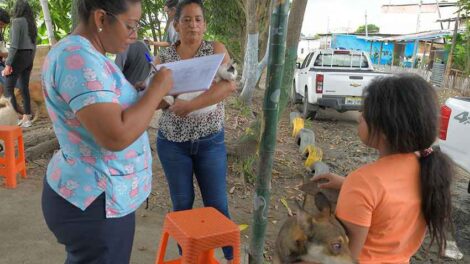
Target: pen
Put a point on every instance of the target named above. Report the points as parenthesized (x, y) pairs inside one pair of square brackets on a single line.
[(149, 59)]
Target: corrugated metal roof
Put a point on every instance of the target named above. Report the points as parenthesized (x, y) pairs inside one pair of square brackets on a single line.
[(428, 35)]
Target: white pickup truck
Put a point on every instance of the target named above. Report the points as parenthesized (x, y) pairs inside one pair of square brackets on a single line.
[(454, 136), (332, 79)]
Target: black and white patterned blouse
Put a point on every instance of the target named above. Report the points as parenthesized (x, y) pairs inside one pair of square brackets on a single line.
[(189, 128)]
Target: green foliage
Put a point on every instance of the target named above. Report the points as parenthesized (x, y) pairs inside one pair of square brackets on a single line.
[(464, 6), (226, 23), (242, 108), (371, 28), (246, 168), (60, 15), (247, 163), (153, 17), (60, 10), (460, 55)]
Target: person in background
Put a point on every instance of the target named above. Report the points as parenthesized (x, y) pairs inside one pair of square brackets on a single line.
[(133, 63), (4, 22), (387, 206), (194, 144), (103, 170), (171, 36), (19, 64)]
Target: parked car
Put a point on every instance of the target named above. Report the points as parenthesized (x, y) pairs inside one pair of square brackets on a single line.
[(332, 79), (454, 136)]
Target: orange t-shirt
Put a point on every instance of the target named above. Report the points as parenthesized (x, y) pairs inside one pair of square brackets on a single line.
[(386, 197)]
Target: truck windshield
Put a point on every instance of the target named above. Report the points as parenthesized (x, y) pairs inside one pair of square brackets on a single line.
[(341, 60)]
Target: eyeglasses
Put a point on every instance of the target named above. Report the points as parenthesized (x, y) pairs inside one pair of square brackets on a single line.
[(131, 29)]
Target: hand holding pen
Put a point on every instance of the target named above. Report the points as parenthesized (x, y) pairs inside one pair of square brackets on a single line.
[(162, 78), (149, 59)]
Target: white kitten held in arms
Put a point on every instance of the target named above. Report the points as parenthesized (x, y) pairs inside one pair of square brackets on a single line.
[(225, 72)]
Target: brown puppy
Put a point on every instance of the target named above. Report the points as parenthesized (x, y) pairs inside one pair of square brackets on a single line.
[(37, 98), (313, 237)]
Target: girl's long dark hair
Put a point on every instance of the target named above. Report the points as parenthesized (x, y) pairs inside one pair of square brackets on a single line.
[(23, 9), (405, 110)]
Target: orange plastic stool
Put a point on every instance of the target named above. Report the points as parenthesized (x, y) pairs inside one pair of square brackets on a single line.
[(10, 165), (199, 232)]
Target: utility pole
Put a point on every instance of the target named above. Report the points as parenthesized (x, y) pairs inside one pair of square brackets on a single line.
[(327, 31), (439, 13), (452, 47), (415, 51), (367, 30)]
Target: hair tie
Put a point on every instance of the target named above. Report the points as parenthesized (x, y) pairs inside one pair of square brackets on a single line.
[(426, 152)]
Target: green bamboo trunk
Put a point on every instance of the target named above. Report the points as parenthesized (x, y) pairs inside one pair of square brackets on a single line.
[(288, 77), (269, 129)]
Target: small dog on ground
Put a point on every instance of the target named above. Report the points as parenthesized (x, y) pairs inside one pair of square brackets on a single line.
[(316, 237), (226, 72), (8, 116), (37, 99)]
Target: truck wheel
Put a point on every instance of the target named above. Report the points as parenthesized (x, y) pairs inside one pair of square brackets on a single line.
[(294, 98), (307, 113)]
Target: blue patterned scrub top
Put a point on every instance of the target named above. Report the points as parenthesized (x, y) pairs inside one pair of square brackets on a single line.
[(76, 75)]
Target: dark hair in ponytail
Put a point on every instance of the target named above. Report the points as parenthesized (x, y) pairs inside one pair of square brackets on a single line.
[(116, 7), (404, 108), (184, 3)]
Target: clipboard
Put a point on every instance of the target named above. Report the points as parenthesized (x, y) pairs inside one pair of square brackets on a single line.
[(194, 74)]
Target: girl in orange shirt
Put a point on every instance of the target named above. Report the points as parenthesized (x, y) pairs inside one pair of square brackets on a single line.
[(386, 206)]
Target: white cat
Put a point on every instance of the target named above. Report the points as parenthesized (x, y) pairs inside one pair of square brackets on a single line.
[(225, 72)]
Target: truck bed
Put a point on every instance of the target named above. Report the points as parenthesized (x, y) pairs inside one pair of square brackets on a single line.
[(456, 142), (347, 83)]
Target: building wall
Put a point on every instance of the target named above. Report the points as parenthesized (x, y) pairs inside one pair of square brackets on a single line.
[(352, 42), (403, 20), (306, 46)]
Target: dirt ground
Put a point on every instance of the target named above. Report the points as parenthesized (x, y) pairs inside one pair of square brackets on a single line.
[(26, 239)]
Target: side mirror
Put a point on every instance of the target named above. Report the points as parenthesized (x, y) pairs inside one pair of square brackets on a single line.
[(297, 65)]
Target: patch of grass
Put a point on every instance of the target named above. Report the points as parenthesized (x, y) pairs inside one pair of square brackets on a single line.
[(244, 110), (245, 168), (308, 123)]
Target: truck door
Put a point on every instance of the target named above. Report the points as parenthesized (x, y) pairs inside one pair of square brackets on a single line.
[(303, 74)]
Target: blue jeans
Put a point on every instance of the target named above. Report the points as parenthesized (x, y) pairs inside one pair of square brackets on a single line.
[(206, 158)]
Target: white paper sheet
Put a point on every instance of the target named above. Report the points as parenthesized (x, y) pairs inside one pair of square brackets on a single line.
[(194, 74)]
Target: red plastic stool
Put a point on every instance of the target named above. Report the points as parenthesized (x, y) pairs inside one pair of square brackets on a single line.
[(199, 232), (10, 165)]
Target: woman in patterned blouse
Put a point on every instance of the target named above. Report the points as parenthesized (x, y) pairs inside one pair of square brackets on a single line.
[(188, 143), (103, 170)]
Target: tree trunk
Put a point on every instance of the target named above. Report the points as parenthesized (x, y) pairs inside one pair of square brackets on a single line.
[(152, 24), (264, 11), (250, 68), (48, 21), (251, 53), (452, 47), (269, 130), (75, 18), (264, 62), (296, 19), (467, 65)]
